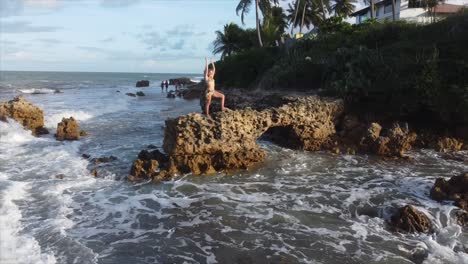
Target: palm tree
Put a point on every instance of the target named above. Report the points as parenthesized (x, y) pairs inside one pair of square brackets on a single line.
[(343, 8), (278, 18), (372, 7), (229, 41), (393, 11), (260, 5), (311, 14)]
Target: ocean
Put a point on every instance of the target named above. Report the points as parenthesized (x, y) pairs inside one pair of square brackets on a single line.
[(298, 207)]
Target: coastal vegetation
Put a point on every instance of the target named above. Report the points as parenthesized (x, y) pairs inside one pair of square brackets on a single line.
[(405, 69)]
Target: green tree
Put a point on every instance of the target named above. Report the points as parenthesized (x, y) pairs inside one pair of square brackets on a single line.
[(310, 14), (260, 5), (343, 8), (230, 41)]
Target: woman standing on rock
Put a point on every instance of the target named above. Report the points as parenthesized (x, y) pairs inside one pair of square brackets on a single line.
[(210, 87)]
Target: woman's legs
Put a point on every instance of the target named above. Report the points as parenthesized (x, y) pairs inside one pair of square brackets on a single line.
[(220, 95), (207, 104)]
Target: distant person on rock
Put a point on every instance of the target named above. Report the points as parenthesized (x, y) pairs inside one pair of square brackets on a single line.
[(210, 87)]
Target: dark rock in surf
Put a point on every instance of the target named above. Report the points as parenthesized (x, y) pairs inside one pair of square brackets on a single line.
[(100, 160), (455, 189), (131, 94), (85, 156), (68, 129), (94, 172), (140, 93), (142, 83), (171, 94), (28, 115), (60, 176), (408, 219)]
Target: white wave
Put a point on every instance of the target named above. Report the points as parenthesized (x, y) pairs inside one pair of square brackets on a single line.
[(39, 91), (16, 247), (12, 132), (52, 120)]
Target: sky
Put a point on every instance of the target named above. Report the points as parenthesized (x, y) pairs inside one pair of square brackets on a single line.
[(166, 36)]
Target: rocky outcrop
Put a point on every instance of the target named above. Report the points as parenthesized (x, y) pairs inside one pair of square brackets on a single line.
[(455, 189), (198, 144), (149, 165), (140, 93), (68, 129), (28, 115), (408, 219), (448, 144), (394, 143), (181, 81), (142, 83)]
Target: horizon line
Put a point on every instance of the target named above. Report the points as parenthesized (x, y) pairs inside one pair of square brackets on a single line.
[(101, 72)]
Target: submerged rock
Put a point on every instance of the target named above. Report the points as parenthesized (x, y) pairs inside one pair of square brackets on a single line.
[(68, 129), (131, 94), (455, 189), (28, 115), (142, 83), (140, 93), (103, 160), (408, 219)]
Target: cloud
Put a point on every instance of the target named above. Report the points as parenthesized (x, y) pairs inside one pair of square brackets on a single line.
[(109, 39), (118, 3), (183, 30), (11, 7), (49, 41), (92, 49), (153, 40), (24, 27), (178, 45)]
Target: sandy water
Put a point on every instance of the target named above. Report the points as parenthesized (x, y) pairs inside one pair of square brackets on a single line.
[(299, 207)]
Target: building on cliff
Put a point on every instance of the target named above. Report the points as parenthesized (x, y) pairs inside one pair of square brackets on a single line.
[(410, 10)]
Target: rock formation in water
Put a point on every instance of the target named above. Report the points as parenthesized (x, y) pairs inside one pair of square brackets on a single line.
[(197, 144), (140, 93), (455, 189), (408, 219), (28, 115), (131, 94), (142, 83), (68, 129)]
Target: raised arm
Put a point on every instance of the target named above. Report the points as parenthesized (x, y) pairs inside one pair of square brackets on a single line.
[(214, 68), (206, 68)]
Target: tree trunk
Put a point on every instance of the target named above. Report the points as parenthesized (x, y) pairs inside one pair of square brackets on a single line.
[(324, 16), (295, 16), (372, 9), (258, 25), (393, 11), (303, 16)]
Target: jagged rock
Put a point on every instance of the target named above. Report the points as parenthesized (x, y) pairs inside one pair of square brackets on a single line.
[(198, 144), (140, 93), (151, 146), (144, 168), (94, 172), (448, 144), (142, 83), (131, 94), (85, 156), (462, 217), (103, 160), (181, 80), (148, 164), (60, 176), (394, 143), (455, 189), (28, 115), (408, 219), (68, 129), (171, 94)]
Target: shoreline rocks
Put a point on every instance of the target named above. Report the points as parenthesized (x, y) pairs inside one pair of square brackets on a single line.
[(197, 144), (455, 189), (68, 129), (28, 115)]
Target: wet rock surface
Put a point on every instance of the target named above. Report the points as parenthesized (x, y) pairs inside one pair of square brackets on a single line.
[(408, 219), (140, 93), (198, 144), (28, 115), (142, 83), (68, 129), (455, 189)]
